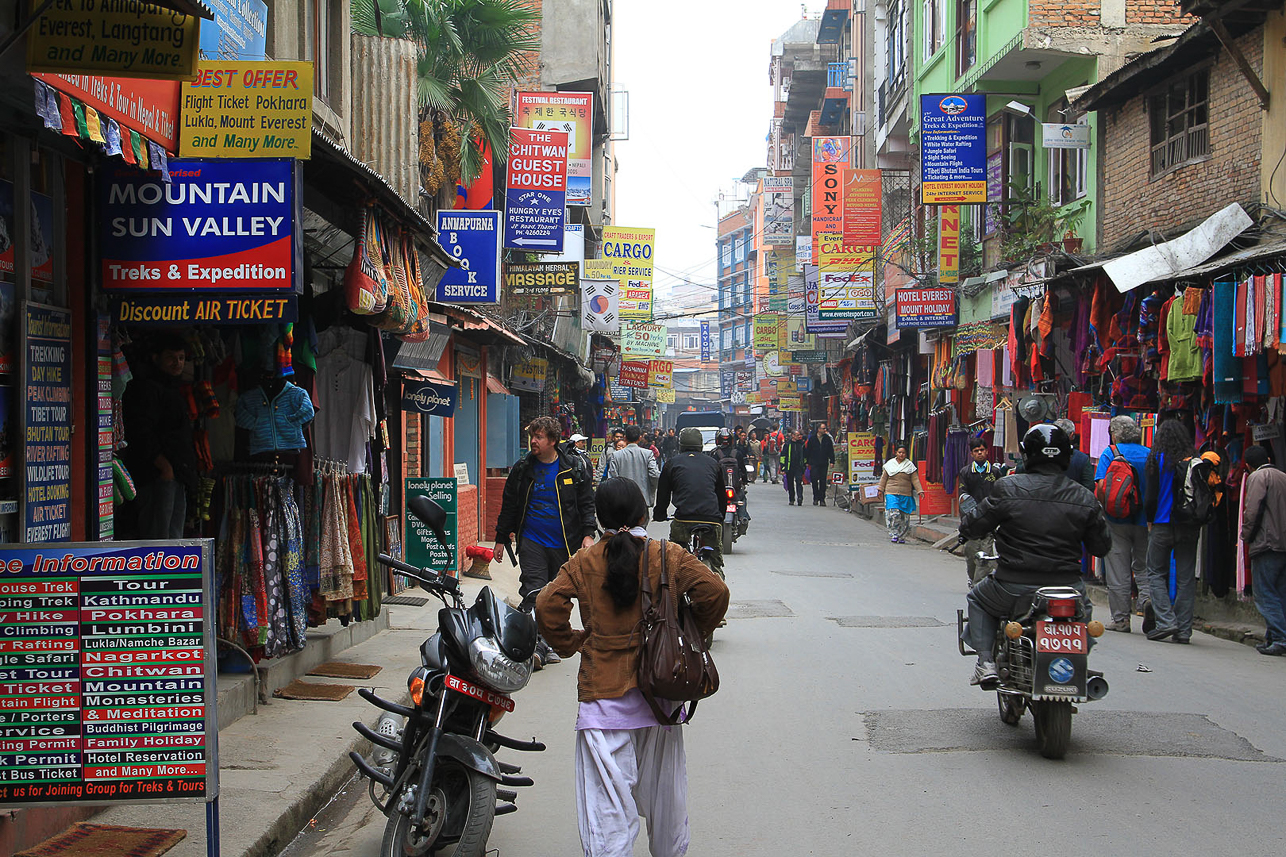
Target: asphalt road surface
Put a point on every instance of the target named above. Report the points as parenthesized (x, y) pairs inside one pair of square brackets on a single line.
[(845, 725)]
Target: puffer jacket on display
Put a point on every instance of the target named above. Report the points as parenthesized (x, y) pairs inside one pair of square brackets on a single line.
[(1041, 520)]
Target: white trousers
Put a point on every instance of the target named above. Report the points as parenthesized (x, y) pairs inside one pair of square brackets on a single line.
[(622, 774)]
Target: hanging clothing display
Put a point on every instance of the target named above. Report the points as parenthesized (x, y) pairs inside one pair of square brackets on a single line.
[(346, 416), (275, 420)]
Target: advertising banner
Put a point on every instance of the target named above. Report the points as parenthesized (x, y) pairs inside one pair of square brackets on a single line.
[(204, 308), (150, 107), (660, 373), (813, 323), (599, 311), (779, 211), (641, 339), (629, 251), (949, 244), (423, 550), (107, 692), (803, 252), (428, 397), (529, 375), (861, 459), (665, 395), (46, 425), (217, 225), (766, 331), (619, 392), (122, 39), (953, 148), (705, 342), (830, 159), (542, 278), (1064, 136), (846, 288), (863, 204), (573, 114), (797, 336), (790, 402), (472, 238), (536, 190), (240, 30), (248, 110), (573, 245), (926, 308), (634, 374)]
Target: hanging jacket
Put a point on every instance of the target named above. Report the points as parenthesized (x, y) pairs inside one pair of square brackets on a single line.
[(276, 423)]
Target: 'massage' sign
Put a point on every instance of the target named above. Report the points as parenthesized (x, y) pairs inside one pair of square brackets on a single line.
[(427, 397), (217, 225)]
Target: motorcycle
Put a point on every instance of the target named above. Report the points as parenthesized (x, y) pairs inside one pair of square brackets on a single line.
[(433, 771), (700, 545), (735, 523)]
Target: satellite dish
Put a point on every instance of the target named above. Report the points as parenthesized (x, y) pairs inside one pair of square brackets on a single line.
[(1038, 407)]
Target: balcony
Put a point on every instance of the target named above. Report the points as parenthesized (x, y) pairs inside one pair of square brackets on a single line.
[(835, 98), (834, 18)]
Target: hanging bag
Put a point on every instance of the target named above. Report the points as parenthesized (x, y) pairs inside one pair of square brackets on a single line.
[(365, 288), (674, 663)]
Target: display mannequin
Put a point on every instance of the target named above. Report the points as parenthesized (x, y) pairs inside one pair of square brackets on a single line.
[(275, 415)]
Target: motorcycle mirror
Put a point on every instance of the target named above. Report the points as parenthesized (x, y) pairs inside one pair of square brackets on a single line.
[(967, 504), (430, 514)]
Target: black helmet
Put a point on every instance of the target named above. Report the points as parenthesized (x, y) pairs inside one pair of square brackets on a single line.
[(723, 437), (1046, 443)]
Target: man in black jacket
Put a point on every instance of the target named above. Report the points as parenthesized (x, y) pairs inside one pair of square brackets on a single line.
[(1041, 519), (696, 485), (819, 450), (547, 508)]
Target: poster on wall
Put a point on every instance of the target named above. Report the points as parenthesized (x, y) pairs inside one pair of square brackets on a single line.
[(472, 238), (423, 550), (573, 114), (953, 148), (46, 375), (779, 210)]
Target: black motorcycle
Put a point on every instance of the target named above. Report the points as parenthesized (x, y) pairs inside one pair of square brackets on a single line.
[(433, 772), (735, 522)]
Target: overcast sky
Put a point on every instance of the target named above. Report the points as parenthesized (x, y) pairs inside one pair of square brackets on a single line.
[(700, 107)]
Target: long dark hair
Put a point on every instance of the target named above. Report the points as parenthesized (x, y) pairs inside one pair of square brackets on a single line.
[(1170, 445), (620, 505)]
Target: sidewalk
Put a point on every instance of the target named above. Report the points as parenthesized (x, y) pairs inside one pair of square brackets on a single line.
[(279, 767), (1229, 617)]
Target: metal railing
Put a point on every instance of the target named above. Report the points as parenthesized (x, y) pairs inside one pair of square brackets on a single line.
[(837, 75)]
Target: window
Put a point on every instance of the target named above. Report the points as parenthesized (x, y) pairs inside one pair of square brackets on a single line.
[(1067, 167), (318, 32), (896, 66), (671, 340), (691, 341), (966, 35), (725, 253), (725, 339), (934, 26), (1177, 116)]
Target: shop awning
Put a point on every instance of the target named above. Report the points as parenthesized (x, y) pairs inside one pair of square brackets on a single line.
[(428, 375), (1231, 260), (494, 385), (1164, 261), (475, 322)]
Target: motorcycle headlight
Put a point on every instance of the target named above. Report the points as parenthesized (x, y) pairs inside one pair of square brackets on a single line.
[(497, 669)]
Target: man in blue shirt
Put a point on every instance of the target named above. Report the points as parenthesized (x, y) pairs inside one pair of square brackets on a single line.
[(1126, 563)]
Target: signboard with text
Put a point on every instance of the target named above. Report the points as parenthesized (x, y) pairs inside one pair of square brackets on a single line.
[(953, 148), (47, 422), (846, 286), (627, 253), (705, 342), (863, 204), (150, 107), (126, 39), (248, 110), (536, 190), (472, 238), (830, 159), (423, 550), (573, 114), (1065, 135), (948, 244), (642, 339), (428, 397), (634, 374), (660, 373), (926, 308), (542, 278), (201, 308)]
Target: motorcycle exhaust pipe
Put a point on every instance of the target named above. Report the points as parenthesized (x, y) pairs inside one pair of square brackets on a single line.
[(1096, 687)]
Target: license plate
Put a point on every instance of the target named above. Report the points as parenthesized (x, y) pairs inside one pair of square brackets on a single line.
[(496, 700), (732, 507), (1067, 638)]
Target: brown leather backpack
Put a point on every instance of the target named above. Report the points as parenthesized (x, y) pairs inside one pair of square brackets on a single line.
[(674, 662)]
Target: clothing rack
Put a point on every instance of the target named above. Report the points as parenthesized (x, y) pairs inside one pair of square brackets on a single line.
[(244, 467), (331, 465)]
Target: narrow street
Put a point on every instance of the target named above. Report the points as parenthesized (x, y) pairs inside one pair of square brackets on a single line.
[(845, 725)]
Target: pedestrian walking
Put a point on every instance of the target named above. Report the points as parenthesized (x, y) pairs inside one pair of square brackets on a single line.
[(1126, 564), (976, 479), (627, 764), (900, 485), (669, 446), (636, 463), (770, 449), (793, 464), (1263, 529), (1169, 534), (819, 450), (615, 441), (1081, 467)]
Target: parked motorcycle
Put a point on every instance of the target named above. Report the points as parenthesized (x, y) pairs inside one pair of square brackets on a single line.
[(432, 771)]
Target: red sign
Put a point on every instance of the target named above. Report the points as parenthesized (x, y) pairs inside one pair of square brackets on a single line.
[(935, 500), (537, 160), (150, 107), (634, 374), (863, 193)]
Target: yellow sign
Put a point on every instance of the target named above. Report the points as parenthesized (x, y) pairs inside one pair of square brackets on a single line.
[(790, 403), (122, 38), (766, 331), (948, 244), (660, 373), (629, 253), (665, 394), (861, 458), (248, 110)]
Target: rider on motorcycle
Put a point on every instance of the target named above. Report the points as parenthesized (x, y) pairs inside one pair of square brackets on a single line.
[(725, 452), (696, 485), (1041, 519)]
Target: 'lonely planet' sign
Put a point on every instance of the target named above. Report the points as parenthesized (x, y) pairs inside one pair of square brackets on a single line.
[(428, 397)]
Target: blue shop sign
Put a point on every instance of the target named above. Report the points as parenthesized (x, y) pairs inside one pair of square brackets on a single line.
[(953, 148), (472, 238), (429, 397)]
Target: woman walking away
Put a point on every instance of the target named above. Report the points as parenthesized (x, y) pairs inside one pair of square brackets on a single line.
[(627, 764), (1169, 533), (900, 485), (792, 464)]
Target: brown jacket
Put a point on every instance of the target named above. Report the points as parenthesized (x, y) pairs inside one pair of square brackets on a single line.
[(1264, 511), (609, 645)]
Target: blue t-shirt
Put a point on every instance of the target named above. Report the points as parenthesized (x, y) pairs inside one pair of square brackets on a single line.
[(1137, 455), (544, 524)]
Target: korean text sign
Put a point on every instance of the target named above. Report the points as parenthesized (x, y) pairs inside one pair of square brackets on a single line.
[(108, 677), (570, 112), (473, 239), (953, 148), (926, 307), (536, 190), (218, 225), (248, 110)]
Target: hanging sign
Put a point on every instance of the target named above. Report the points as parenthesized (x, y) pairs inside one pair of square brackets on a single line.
[(216, 226), (529, 375), (423, 550), (573, 114), (660, 373), (846, 287), (107, 688), (766, 331), (779, 210), (629, 252), (640, 339), (863, 198), (472, 238), (803, 252), (186, 309), (953, 148), (149, 107), (1064, 136), (861, 459), (46, 428), (118, 39), (536, 190), (948, 244), (599, 306), (813, 322), (705, 342), (248, 110), (542, 278), (830, 159), (429, 397), (665, 395), (634, 374)]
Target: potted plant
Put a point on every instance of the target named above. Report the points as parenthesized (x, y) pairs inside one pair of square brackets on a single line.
[(1033, 224)]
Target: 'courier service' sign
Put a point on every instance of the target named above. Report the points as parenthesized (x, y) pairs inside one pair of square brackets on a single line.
[(247, 110), (219, 225)]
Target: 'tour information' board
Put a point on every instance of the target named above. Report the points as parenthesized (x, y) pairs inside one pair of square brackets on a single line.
[(46, 497), (107, 688)]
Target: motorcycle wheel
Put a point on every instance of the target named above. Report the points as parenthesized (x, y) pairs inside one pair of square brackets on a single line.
[(461, 792), (1053, 727), (728, 537), (1011, 708)]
